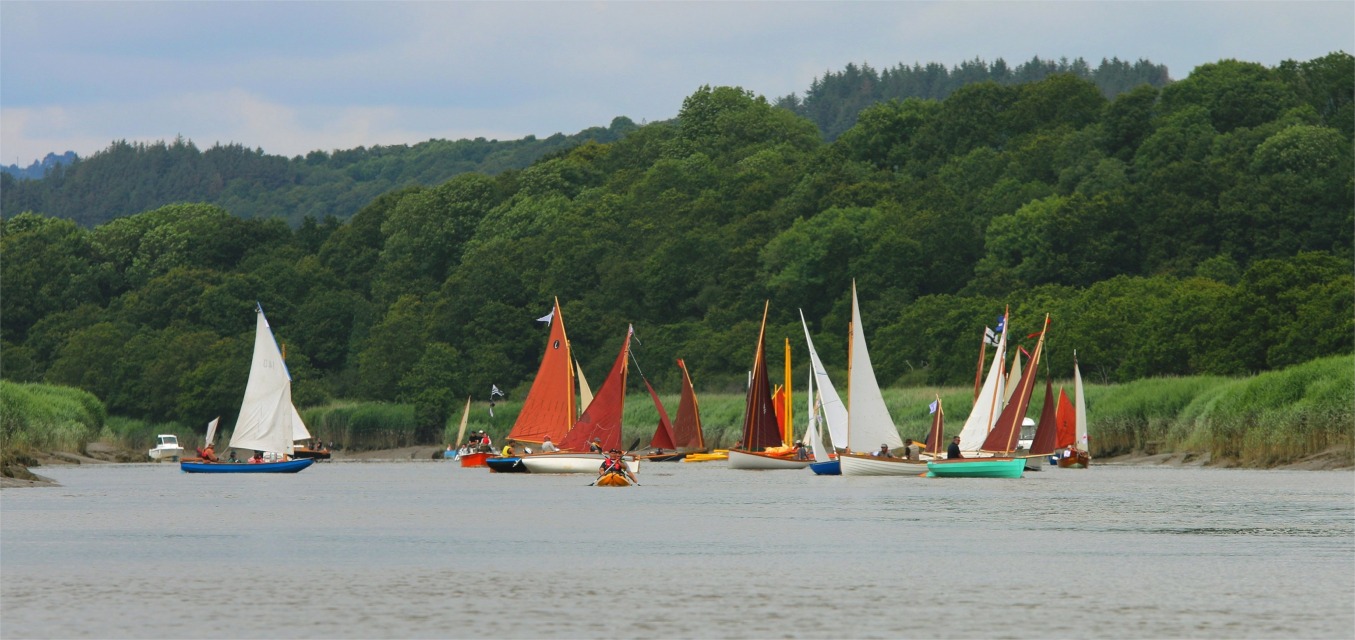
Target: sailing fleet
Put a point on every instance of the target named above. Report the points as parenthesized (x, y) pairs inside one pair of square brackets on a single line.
[(573, 430)]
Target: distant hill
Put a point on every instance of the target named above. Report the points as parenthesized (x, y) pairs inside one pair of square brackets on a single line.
[(39, 167), (129, 178)]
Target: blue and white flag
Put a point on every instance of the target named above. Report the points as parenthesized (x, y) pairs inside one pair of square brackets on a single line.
[(932, 407), (1001, 324)]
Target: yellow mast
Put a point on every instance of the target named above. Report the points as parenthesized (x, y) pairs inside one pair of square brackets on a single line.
[(788, 434)]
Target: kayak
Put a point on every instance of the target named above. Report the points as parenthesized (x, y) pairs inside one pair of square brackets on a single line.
[(613, 480)]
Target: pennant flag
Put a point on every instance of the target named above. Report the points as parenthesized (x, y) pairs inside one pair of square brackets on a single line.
[(494, 391), (991, 336), (1034, 335), (932, 408), (632, 334), (547, 318), (1023, 350)]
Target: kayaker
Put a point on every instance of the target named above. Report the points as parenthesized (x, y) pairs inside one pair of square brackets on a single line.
[(614, 464)]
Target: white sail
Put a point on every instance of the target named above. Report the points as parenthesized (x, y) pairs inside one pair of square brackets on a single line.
[(834, 412), (585, 394), (1013, 379), (211, 429), (812, 425), (299, 430), (868, 422), (1079, 410), (988, 404), (267, 416)]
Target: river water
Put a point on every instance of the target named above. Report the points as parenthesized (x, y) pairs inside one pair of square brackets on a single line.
[(428, 549)]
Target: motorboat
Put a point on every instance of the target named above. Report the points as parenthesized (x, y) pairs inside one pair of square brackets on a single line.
[(166, 448)]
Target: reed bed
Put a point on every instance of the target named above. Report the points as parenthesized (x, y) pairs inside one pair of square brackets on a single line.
[(1265, 420), (363, 425), (41, 417)]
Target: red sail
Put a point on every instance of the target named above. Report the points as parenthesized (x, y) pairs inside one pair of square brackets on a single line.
[(1043, 442), (550, 408), (1067, 422), (1002, 439), (663, 434), (760, 429), (687, 427), (602, 418)]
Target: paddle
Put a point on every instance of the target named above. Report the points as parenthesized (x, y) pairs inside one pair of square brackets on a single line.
[(634, 443)]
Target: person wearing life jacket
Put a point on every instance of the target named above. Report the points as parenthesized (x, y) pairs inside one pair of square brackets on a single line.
[(507, 448), (614, 464), (209, 454)]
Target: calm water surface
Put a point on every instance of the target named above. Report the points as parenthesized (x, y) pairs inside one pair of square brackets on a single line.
[(427, 549)]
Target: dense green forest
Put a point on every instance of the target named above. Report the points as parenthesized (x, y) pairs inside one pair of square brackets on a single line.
[(834, 101), (1201, 228), (127, 178)]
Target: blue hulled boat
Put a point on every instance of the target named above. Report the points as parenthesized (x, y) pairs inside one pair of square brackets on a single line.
[(287, 466)]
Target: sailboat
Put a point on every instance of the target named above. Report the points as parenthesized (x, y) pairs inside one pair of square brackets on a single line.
[(268, 420), (987, 403), (1078, 456), (599, 423), (1002, 440), (868, 419), (761, 431), (549, 409), (827, 412)]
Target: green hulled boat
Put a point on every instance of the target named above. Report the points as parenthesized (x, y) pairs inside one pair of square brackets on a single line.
[(977, 468)]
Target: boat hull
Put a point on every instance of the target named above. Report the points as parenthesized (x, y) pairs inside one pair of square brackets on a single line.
[(859, 465), (977, 468), (286, 466), (763, 462), (570, 463), (718, 454), (173, 454), (1079, 460), (826, 468), (310, 453), (613, 480), (476, 459), (506, 465)]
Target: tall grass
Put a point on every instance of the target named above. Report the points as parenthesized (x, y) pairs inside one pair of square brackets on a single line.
[(370, 425), (47, 417)]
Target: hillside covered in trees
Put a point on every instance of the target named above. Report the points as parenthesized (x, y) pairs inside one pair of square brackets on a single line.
[(834, 101), (1201, 228), (128, 178)]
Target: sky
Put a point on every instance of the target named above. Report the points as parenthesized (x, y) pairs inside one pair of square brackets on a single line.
[(294, 77)]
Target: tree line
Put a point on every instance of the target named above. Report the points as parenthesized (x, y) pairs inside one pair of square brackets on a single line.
[(1201, 228)]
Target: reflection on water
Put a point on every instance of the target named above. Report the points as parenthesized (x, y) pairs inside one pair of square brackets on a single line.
[(427, 549)]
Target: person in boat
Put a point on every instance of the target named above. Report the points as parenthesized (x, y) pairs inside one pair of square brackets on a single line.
[(547, 446), (208, 454), (883, 452), (911, 450), (233, 458), (614, 464), (953, 451), (257, 459), (595, 446), (800, 452), (507, 448), (738, 445)]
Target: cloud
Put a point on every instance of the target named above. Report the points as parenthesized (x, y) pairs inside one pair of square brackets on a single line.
[(291, 77)]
